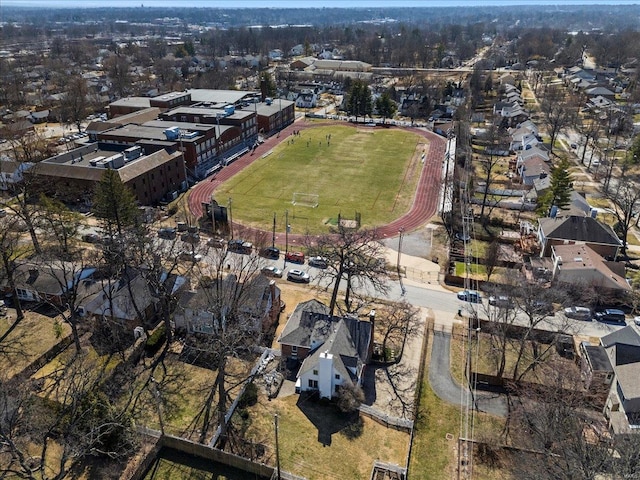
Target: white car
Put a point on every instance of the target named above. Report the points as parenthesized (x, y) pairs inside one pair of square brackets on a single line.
[(272, 271), (297, 275)]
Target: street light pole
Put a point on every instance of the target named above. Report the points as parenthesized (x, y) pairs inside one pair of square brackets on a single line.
[(401, 232), (286, 232), (273, 235)]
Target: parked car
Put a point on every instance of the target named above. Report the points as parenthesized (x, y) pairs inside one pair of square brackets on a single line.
[(636, 320), (574, 146), (318, 262), (215, 242), (501, 301), (270, 252), (272, 271), (297, 275), (190, 257), (167, 233), (192, 238), (91, 238), (240, 246), (578, 313), (294, 257), (611, 315), (471, 296), (462, 236), (3, 213)]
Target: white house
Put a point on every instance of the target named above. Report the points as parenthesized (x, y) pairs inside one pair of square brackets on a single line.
[(340, 360)]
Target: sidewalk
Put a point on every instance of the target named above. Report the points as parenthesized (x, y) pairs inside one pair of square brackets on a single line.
[(416, 270)]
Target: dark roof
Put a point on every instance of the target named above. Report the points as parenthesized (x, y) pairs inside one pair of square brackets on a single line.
[(49, 281), (627, 336), (579, 229), (598, 358), (307, 324)]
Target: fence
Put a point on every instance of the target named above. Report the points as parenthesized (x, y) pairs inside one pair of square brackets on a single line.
[(400, 424)]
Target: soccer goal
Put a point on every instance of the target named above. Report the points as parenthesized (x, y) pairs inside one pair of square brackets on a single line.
[(305, 199)]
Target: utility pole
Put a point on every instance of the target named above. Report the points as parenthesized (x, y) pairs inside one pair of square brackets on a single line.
[(230, 219), (401, 232), (286, 232), (273, 235), (277, 447)]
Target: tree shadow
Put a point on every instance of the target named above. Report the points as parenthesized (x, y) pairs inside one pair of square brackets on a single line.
[(328, 419)]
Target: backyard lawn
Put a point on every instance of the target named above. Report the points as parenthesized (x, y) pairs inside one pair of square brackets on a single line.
[(346, 169), (33, 336), (318, 442)]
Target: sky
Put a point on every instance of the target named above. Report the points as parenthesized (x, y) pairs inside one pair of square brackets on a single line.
[(297, 3)]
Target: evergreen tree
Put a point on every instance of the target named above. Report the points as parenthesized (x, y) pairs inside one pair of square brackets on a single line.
[(560, 187), (269, 85), (385, 106), (359, 102), (114, 203)]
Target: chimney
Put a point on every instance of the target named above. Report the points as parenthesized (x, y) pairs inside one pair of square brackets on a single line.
[(372, 321)]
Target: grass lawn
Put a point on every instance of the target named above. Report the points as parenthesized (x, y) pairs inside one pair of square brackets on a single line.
[(434, 455), (474, 269), (183, 391), (374, 172), (33, 336), (318, 442)]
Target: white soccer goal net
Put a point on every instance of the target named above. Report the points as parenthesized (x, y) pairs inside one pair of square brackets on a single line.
[(305, 199)]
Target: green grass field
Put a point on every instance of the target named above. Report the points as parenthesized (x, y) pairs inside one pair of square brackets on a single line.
[(374, 172)]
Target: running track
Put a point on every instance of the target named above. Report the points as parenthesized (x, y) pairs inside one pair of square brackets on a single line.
[(425, 201)]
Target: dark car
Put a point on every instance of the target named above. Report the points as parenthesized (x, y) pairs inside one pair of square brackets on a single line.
[(240, 246), (611, 315), (272, 253), (215, 242), (91, 238), (167, 233), (294, 257)]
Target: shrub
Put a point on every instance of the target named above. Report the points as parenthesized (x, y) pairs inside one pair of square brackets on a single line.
[(249, 397), (156, 340)]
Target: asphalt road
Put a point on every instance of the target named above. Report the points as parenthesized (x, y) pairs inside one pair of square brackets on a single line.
[(448, 390)]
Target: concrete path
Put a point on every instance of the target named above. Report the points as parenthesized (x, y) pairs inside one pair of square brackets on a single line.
[(445, 386)]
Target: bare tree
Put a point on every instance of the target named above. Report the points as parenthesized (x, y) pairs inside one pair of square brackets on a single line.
[(625, 201), (395, 323), (352, 255), (557, 114)]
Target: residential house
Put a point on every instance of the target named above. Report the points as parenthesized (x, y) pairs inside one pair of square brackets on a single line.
[(622, 409), (600, 92), (12, 172), (47, 283), (340, 360), (333, 350), (596, 369), (257, 302), (307, 99), (307, 328), (577, 230), (534, 167), (581, 265), (533, 151)]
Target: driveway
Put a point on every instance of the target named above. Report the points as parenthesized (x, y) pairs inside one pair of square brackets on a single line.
[(445, 386), (391, 389)]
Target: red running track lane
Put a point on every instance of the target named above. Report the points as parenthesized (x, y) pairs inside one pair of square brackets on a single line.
[(423, 208)]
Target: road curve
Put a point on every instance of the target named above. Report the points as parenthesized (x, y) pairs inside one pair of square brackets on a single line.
[(445, 386), (423, 208)]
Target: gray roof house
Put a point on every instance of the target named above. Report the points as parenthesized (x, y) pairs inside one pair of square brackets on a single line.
[(576, 229), (334, 350), (622, 409)]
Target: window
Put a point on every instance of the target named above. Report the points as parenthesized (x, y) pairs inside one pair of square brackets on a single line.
[(337, 376), (313, 383), (315, 372)]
